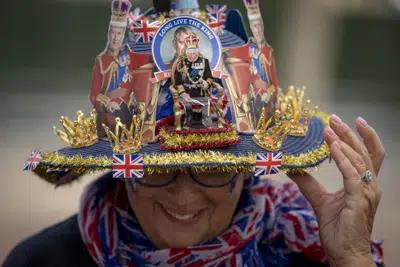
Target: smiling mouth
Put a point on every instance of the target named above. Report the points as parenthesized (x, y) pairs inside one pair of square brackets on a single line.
[(188, 218)]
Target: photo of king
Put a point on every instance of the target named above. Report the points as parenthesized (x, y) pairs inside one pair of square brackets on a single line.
[(264, 85), (178, 42), (192, 78), (111, 91)]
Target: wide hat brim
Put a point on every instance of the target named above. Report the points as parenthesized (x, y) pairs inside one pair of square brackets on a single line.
[(299, 154)]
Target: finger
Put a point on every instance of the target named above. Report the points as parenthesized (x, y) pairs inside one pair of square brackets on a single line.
[(337, 126), (372, 142), (330, 136), (371, 188), (347, 135), (356, 159), (351, 177), (312, 190)]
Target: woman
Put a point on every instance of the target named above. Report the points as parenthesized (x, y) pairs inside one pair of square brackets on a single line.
[(198, 204), (334, 231)]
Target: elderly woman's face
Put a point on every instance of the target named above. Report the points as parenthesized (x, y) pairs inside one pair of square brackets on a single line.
[(184, 213)]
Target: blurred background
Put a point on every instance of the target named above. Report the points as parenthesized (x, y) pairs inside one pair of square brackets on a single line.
[(347, 52)]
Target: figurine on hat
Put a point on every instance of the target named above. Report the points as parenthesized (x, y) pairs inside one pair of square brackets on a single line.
[(111, 92), (257, 89), (192, 80)]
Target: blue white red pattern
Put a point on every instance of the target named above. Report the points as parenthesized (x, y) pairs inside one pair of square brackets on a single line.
[(127, 166), (145, 30), (216, 17), (33, 161), (267, 164), (133, 16), (273, 222)]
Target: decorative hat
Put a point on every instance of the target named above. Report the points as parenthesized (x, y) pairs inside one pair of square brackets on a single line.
[(253, 9), (119, 13), (159, 112)]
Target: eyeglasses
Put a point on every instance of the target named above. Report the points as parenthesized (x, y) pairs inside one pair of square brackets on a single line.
[(211, 179)]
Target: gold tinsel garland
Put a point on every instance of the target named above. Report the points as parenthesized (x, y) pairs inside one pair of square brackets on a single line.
[(200, 161), (177, 140)]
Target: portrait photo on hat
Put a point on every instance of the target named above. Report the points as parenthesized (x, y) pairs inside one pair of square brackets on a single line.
[(188, 125)]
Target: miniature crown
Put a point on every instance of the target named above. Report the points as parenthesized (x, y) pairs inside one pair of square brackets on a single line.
[(119, 13), (253, 9), (292, 108), (80, 133), (271, 138), (125, 141), (192, 41)]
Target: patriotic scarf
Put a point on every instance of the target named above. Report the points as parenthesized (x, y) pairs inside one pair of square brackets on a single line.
[(272, 223)]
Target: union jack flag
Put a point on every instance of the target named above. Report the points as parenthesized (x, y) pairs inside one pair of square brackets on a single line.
[(133, 16), (267, 164), (127, 166), (145, 30), (33, 161), (216, 17)]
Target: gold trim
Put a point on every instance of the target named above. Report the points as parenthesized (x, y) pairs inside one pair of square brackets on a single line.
[(229, 162), (173, 140)]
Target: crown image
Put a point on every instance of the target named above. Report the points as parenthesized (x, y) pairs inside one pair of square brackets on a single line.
[(125, 141), (293, 109), (253, 9), (271, 138), (80, 133), (119, 12), (192, 41)]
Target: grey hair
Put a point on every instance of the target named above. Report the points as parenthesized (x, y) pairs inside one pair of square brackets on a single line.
[(182, 29)]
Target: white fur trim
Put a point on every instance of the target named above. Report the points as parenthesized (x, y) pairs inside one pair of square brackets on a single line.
[(119, 24), (254, 17)]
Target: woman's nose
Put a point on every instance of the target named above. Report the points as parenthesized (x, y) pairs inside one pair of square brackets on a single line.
[(184, 189)]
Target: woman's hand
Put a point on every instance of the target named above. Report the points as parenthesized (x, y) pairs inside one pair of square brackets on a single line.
[(346, 217)]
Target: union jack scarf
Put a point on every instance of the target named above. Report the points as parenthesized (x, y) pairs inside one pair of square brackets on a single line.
[(272, 223)]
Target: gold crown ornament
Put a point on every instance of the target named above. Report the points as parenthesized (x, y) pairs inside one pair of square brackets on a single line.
[(119, 13), (192, 42), (253, 9), (293, 109), (271, 138), (80, 133), (125, 141)]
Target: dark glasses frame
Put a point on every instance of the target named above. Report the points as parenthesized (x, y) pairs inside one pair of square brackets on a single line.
[(192, 175)]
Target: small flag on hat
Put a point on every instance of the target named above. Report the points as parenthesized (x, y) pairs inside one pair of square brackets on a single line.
[(127, 166), (33, 161), (267, 164), (133, 16), (216, 17), (144, 31)]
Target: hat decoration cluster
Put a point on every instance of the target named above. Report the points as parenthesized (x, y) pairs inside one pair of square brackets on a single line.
[(204, 105)]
